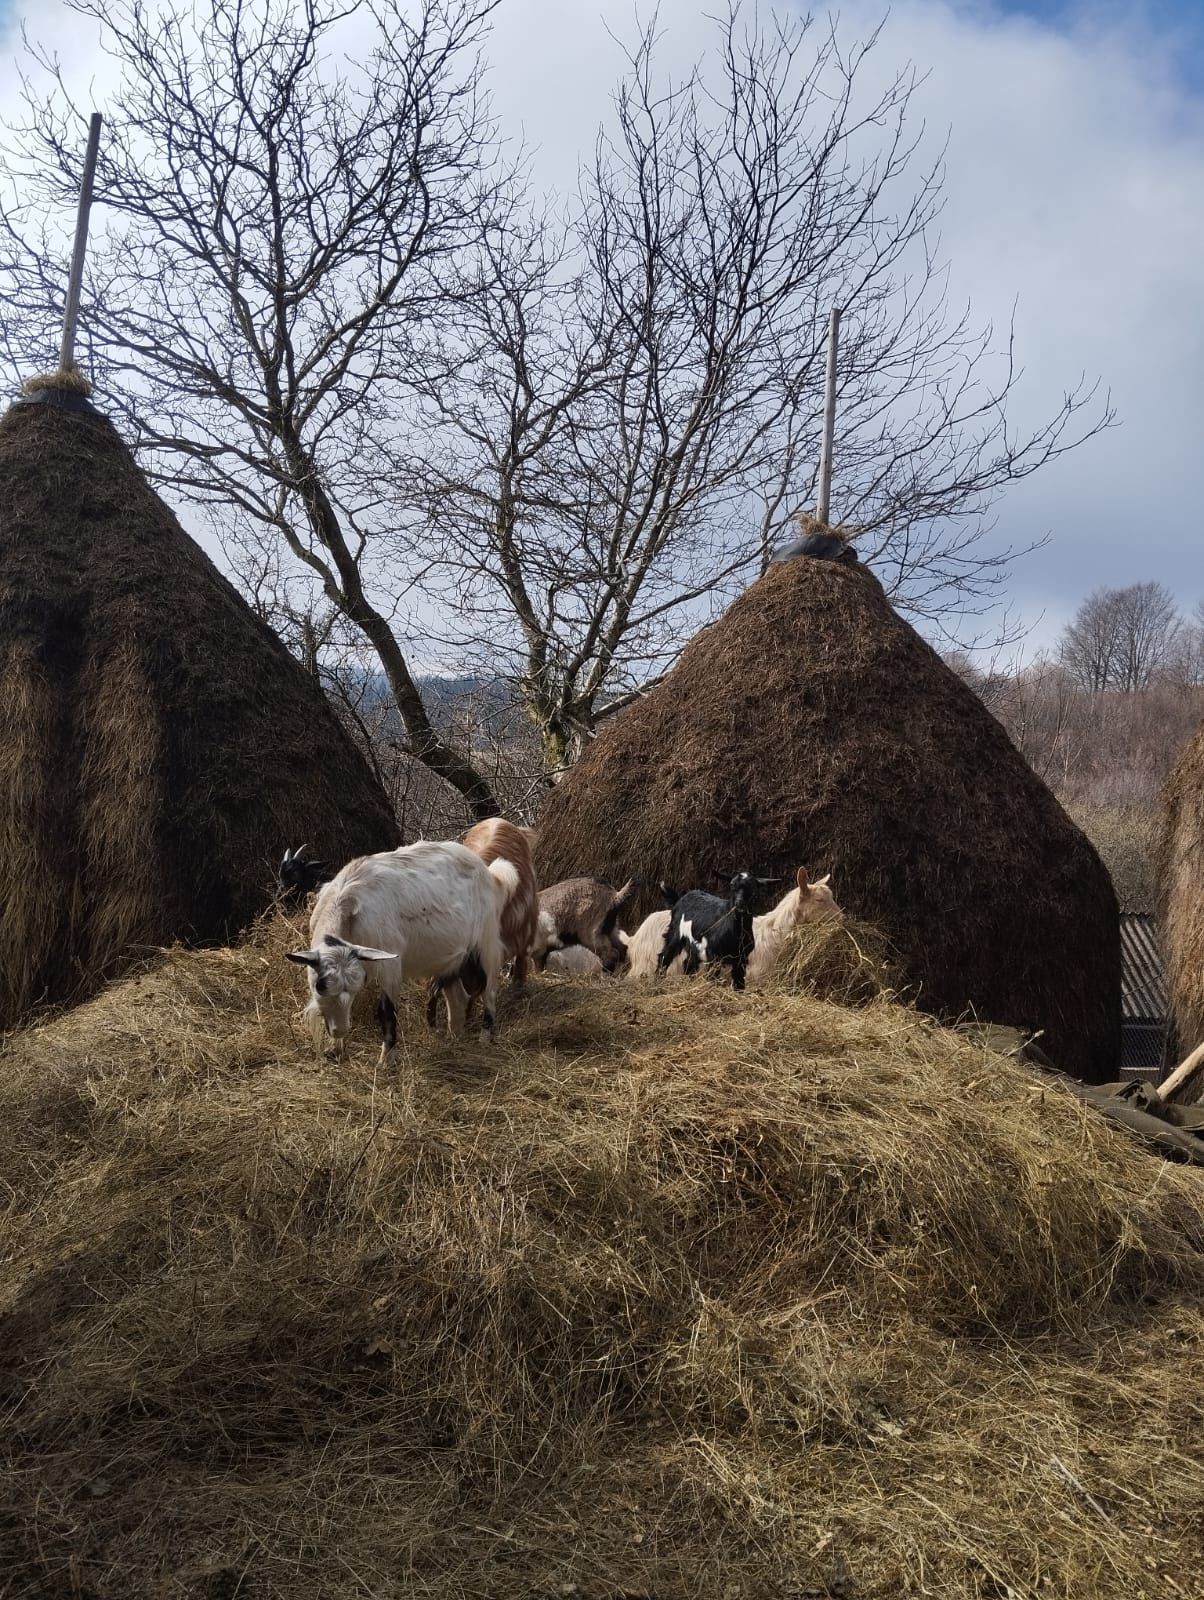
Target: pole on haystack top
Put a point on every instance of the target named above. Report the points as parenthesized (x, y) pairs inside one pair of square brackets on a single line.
[(825, 455), (80, 250)]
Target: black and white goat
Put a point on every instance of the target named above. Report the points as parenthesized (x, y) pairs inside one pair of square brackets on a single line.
[(298, 875), (709, 930), (429, 910)]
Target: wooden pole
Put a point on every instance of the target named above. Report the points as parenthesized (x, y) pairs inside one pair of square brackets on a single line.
[(71, 315), (825, 458)]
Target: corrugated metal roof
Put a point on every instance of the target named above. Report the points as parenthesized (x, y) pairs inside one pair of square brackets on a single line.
[(1143, 990)]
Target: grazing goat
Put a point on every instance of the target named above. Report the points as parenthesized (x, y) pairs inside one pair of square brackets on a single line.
[(806, 902), (646, 944), (425, 911), (498, 840), (299, 875), (574, 962), (582, 911), (709, 930)]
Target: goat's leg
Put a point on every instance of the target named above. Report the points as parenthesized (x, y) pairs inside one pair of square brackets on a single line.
[(457, 1006), (671, 949), (489, 1016), (386, 1016), (433, 990), (693, 959), (518, 976), (738, 974)]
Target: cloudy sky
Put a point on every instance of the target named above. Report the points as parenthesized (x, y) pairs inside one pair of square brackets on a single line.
[(1075, 178)]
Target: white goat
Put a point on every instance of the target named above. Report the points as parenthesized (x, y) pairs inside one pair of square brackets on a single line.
[(806, 902), (430, 910), (645, 945)]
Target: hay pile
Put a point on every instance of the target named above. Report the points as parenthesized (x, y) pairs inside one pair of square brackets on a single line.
[(158, 745), (812, 726), (668, 1295), (1179, 872)]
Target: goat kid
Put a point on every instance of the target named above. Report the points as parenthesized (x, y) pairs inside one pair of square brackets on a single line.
[(709, 930), (298, 875), (429, 910), (582, 911), (575, 961)]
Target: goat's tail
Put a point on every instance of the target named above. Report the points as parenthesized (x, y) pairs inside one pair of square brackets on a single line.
[(505, 876), (669, 896)]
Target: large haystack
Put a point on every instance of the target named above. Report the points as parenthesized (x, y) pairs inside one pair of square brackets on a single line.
[(1180, 884), (811, 725), (158, 745), (664, 1295)]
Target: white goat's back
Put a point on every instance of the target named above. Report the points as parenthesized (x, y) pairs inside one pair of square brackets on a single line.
[(645, 945), (430, 902)]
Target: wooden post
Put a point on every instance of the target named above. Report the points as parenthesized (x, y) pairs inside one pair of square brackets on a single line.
[(825, 457), (71, 315)]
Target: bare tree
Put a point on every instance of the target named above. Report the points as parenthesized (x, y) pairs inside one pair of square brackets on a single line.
[(638, 407), (1122, 638), (549, 445), (278, 232)]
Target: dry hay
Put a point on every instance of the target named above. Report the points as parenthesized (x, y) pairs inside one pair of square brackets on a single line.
[(158, 745), (812, 726), (68, 380), (1179, 873), (673, 1294), (848, 962)]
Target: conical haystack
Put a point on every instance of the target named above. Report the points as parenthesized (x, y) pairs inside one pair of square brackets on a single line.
[(1180, 877), (158, 745), (812, 726)]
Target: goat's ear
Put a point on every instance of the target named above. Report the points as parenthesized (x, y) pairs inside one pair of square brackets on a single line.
[(307, 958), (800, 878), (821, 883), (769, 880), (366, 953)]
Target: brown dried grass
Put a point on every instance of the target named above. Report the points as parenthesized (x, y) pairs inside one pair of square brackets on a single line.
[(70, 379), (668, 1294), (1179, 875), (847, 962)]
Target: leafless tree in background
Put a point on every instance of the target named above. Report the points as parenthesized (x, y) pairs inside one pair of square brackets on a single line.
[(1122, 638), (546, 446), (638, 408), (278, 232)]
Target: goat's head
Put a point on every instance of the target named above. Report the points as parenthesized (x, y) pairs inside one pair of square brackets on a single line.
[(745, 886), (299, 874), (336, 976), (816, 902)]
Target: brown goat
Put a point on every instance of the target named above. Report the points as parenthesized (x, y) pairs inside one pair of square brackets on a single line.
[(582, 911), (498, 840)]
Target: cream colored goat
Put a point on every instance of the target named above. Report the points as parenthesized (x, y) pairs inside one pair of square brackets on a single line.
[(806, 902)]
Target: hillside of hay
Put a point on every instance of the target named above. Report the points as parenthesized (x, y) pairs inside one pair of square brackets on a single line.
[(669, 1294)]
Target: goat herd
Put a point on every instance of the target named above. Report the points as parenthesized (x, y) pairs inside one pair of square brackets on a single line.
[(454, 914)]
